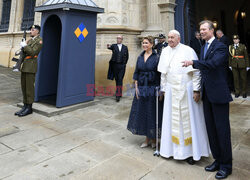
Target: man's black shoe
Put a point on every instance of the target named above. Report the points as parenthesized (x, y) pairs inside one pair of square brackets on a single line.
[(19, 112), (237, 95), (117, 98), (212, 167), (222, 174), (190, 161), (27, 111), (244, 95)]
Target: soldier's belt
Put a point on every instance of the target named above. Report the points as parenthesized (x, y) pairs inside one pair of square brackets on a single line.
[(238, 56), (30, 57)]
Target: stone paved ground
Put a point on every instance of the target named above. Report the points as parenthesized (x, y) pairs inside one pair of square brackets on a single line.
[(93, 143)]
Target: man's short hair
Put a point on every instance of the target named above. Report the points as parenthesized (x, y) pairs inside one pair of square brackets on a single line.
[(210, 23), (120, 36), (197, 32), (219, 30)]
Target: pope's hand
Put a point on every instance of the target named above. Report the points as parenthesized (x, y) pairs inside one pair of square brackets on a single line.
[(187, 63)]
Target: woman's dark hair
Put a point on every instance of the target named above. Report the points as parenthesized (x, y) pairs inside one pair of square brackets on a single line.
[(150, 39)]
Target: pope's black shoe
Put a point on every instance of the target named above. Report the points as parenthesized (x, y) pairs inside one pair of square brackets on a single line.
[(190, 161), (237, 95), (222, 174), (26, 111), (19, 112), (244, 95), (212, 167)]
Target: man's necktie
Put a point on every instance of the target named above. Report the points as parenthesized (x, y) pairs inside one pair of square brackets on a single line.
[(205, 49)]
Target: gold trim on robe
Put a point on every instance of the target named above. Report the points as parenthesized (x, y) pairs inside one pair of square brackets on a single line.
[(180, 109)]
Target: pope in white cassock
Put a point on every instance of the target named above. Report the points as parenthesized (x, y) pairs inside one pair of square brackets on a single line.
[(184, 134)]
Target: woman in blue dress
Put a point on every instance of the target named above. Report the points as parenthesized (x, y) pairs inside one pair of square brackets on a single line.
[(142, 119)]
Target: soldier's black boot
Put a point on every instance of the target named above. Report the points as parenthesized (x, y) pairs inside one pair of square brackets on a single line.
[(27, 111), (23, 108)]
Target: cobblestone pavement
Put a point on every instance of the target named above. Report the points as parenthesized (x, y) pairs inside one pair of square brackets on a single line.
[(93, 143)]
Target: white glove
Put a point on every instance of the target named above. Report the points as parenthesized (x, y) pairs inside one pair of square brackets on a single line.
[(230, 68), (23, 44), (248, 68)]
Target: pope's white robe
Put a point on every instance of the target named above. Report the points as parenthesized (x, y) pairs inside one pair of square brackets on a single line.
[(183, 127)]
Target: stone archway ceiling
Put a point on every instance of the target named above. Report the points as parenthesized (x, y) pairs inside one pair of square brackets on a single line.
[(77, 2)]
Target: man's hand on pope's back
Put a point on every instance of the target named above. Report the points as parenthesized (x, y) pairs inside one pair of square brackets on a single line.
[(161, 95), (196, 96), (187, 63)]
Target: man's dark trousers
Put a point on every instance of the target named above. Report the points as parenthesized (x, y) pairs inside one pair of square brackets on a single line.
[(218, 129), (119, 72)]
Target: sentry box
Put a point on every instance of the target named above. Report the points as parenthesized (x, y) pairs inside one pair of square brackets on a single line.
[(66, 65)]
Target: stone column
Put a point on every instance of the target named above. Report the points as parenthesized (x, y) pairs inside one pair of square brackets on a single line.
[(153, 18), (38, 15), (1, 10), (167, 15), (12, 15), (19, 15)]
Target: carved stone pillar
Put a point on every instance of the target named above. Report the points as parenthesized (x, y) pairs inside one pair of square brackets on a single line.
[(38, 15), (153, 18), (12, 15), (167, 15), (1, 7), (19, 15)]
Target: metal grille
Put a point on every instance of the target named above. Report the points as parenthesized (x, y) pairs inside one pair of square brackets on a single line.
[(4, 26), (28, 14)]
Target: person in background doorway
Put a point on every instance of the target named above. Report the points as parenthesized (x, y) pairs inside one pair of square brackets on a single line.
[(196, 43)]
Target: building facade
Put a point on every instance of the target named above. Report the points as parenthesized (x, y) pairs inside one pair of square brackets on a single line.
[(131, 18)]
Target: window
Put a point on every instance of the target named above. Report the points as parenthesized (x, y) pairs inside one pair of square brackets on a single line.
[(4, 26), (28, 14)]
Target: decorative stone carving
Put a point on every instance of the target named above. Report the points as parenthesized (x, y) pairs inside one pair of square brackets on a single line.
[(112, 20), (167, 15)]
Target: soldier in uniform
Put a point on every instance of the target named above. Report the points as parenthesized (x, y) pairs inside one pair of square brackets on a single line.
[(239, 61), (161, 44), (31, 47)]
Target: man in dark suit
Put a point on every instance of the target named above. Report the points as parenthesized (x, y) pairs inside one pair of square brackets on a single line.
[(117, 64), (196, 43), (216, 96), (222, 38)]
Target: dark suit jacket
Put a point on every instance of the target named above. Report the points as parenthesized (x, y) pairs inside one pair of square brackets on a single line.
[(214, 73), (124, 54), (225, 40), (196, 45)]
